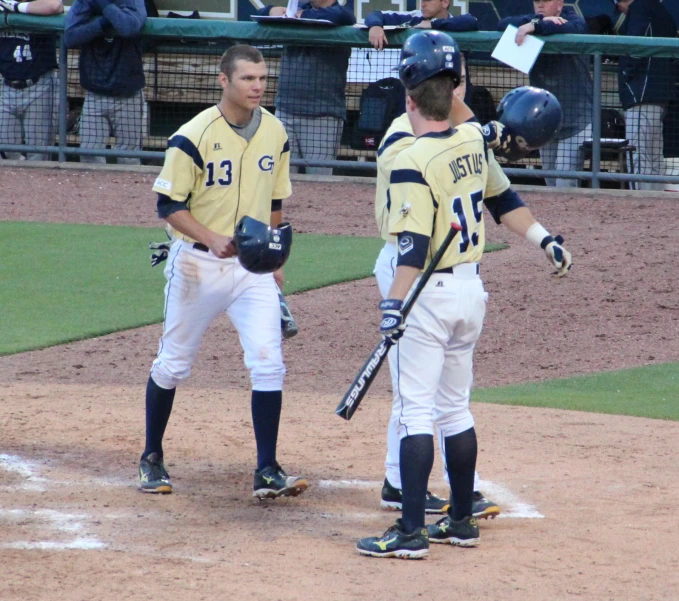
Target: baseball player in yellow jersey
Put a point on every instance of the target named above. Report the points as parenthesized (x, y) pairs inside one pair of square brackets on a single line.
[(441, 178), (228, 162), (398, 137)]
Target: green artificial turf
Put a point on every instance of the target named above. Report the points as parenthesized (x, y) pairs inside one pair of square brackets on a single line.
[(651, 391), (62, 282)]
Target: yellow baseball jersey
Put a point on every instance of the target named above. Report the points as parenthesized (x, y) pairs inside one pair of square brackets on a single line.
[(398, 137), (223, 177), (441, 179)]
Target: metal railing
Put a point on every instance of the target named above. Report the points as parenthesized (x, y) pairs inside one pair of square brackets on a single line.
[(181, 59)]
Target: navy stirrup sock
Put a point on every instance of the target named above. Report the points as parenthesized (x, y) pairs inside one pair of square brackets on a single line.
[(158, 408), (266, 415), (417, 459), (461, 451)]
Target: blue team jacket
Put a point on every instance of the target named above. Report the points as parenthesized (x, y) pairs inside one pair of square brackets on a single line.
[(647, 80), (108, 35), (379, 18)]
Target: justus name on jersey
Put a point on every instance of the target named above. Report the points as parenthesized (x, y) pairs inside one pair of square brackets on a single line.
[(265, 163), (466, 165)]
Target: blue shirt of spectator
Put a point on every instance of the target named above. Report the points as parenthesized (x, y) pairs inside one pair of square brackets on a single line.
[(108, 35), (312, 79)]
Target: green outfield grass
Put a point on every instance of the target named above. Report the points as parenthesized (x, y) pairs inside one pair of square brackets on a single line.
[(60, 282), (651, 391)]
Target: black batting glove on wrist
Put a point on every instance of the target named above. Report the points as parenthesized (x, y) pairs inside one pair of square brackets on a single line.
[(557, 254), (392, 326)]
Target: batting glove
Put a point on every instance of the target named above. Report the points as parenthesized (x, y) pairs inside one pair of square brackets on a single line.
[(163, 249), (10, 6), (288, 324), (392, 326), (557, 254)]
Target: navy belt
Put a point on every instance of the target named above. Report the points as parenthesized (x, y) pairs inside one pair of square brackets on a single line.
[(452, 269), (199, 246), (21, 84)]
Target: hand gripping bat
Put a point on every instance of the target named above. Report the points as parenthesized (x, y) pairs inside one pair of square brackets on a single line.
[(359, 387)]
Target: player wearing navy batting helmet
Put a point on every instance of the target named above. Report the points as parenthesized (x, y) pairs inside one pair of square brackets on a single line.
[(440, 175)]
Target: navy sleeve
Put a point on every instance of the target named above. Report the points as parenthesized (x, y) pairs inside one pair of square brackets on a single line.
[(374, 19), (462, 23), (81, 26), (503, 203), (264, 12), (516, 21), (576, 24), (396, 18), (276, 204), (412, 249), (638, 20), (166, 206), (335, 13), (128, 18)]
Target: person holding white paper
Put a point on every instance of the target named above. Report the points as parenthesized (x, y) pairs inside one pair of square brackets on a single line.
[(566, 76)]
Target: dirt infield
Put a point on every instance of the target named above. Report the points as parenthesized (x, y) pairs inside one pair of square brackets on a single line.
[(589, 500)]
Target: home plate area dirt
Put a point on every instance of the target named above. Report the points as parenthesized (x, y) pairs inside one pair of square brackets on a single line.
[(589, 501)]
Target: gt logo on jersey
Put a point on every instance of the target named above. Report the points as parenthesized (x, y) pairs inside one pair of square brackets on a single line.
[(274, 246), (266, 163), (405, 209), (405, 245)]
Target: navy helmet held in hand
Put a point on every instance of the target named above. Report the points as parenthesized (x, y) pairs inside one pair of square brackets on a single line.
[(426, 54), (532, 115), (262, 248)]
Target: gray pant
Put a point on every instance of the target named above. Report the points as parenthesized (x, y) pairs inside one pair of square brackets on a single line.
[(105, 116), (565, 155), (28, 116), (644, 129), (312, 138)]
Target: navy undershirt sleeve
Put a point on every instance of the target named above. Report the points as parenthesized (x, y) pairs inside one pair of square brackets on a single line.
[(166, 206), (412, 249), (503, 203)]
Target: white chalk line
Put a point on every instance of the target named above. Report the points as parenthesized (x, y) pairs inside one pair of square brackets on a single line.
[(63, 523), (510, 504)]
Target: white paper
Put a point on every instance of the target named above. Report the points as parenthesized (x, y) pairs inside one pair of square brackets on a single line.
[(291, 11), (521, 57), (367, 64)]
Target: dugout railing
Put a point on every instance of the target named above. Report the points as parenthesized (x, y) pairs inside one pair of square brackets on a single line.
[(181, 59)]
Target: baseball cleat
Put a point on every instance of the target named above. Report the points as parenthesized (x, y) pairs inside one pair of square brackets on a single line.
[(272, 482), (153, 476), (462, 533), (396, 543), (391, 499), (482, 508)]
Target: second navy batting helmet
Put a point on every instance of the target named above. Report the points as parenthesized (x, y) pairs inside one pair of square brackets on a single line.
[(262, 248), (426, 54), (533, 116)]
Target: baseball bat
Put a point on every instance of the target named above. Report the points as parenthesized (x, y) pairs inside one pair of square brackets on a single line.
[(359, 387)]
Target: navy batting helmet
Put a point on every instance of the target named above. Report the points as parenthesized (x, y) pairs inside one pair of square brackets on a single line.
[(261, 248), (533, 117), (426, 54)]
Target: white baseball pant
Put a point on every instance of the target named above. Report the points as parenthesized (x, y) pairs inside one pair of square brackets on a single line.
[(385, 269), (201, 286)]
